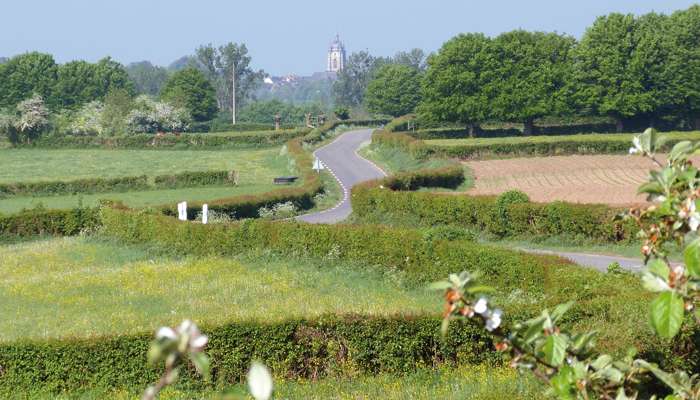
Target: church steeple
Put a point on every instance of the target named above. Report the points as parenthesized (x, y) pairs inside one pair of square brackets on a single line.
[(336, 55)]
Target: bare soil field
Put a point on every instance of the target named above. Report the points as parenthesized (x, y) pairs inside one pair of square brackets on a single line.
[(607, 179)]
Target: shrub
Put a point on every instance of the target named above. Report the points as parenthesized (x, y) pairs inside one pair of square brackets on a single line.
[(503, 202), (342, 113), (39, 222)]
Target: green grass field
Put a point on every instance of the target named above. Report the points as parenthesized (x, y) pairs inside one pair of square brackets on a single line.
[(469, 382), (32, 165), (256, 167), (625, 137), (86, 287)]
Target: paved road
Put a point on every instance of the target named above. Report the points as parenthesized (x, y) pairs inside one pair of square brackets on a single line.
[(349, 169), (341, 159)]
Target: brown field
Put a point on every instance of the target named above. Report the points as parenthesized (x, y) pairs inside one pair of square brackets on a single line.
[(608, 179)]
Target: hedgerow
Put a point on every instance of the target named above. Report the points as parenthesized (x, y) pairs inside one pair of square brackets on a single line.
[(331, 345), (518, 146), (120, 184), (39, 222), (375, 202), (183, 141)]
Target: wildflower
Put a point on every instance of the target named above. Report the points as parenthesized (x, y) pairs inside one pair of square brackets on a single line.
[(259, 381), (166, 333), (493, 321), (191, 338), (481, 306)]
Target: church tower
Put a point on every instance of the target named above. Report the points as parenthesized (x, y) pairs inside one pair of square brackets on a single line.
[(336, 56)]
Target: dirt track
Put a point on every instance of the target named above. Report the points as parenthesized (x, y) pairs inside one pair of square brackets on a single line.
[(609, 179)]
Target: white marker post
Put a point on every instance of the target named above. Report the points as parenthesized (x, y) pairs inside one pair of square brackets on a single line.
[(182, 210), (205, 214)]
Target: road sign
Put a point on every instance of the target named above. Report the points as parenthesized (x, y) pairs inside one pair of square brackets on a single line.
[(318, 165)]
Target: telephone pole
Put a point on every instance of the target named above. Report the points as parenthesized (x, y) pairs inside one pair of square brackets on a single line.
[(233, 92)]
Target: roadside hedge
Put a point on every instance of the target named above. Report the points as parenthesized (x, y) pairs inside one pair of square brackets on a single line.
[(382, 201), (310, 349), (39, 222)]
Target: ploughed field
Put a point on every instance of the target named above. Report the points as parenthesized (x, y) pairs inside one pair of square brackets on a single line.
[(256, 169), (608, 179)]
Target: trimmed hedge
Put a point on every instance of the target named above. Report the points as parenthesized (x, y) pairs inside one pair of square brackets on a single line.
[(474, 149), (183, 141), (49, 222), (120, 184), (330, 345), (384, 201)]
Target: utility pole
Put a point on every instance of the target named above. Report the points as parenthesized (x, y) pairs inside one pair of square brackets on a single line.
[(233, 92)]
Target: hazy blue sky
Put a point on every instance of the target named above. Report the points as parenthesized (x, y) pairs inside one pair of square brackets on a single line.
[(284, 36)]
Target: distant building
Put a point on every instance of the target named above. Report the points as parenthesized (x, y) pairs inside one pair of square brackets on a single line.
[(336, 56)]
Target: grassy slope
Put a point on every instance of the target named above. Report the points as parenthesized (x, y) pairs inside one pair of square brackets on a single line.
[(625, 137), (394, 160), (84, 287), (469, 382), (256, 169)]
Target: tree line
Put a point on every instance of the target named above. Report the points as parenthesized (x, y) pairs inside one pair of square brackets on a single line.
[(642, 69)]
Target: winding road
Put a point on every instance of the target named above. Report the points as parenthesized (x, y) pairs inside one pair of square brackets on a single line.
[(341, 159)]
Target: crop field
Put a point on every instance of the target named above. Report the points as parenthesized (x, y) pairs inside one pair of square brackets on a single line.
[(256, 168), (608, 179), (82, 287)]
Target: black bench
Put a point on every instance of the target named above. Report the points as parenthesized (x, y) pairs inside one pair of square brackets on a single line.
[(285, 180)]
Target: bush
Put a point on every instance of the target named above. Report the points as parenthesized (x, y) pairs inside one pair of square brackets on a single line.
[(503, 202), (342, 113), (39, 222)]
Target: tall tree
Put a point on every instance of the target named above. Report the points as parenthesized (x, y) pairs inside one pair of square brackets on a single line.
[(80, 82), (148, 78), (609, 82), (218, 65), (683, 66), (530, 72), (415, 58), (190, 89), (25, 75), (454, 83), (395, 90), (349, 88)]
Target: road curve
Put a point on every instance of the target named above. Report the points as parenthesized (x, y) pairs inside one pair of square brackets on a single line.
[(342, 161)]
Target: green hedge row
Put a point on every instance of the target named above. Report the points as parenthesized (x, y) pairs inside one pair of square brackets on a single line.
[(327, 346), (320, 133), (183, 141), (519, 146), (120, 184), (385, 201), (48, 222)]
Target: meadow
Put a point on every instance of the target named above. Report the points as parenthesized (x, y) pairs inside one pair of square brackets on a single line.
[(86, 287)]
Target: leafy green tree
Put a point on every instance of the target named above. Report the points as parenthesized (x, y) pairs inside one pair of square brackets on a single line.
[(414, 58), (80, 82), (264, 112), (349, 89), (218, 65), (683, 66), (453, 87), (117, 106), (395, 90), (529, 72), (609, 83), (25, 75), (148, 78), (189, 88)]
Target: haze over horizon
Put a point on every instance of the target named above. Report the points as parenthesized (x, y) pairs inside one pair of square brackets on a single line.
[(284, 37)]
